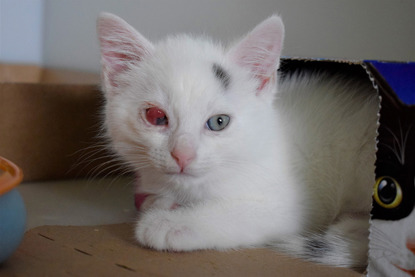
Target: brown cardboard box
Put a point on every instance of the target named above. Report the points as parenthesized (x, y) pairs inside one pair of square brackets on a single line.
[(49, 120)]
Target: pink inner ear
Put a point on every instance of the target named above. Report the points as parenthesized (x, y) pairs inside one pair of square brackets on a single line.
[(264, 83), (260, 50), (112, 60), (116, 62), (117, 57), (121, 46)]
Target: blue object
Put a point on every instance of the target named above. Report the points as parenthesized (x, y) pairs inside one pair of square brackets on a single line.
[(400, 77), (12, 223)]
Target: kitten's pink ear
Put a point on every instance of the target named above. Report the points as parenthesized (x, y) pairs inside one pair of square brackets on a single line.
[(260, 50), (121, 47)]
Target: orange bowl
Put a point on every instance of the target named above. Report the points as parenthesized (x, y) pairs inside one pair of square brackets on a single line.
[(10, 175)]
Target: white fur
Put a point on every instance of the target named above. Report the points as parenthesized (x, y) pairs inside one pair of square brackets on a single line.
[(281, 168), (388, 249)]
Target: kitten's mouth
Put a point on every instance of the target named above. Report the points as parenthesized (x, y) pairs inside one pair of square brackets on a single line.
[(410, 272), (179, 174)]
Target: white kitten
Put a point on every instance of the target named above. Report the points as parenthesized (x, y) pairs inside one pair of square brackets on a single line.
[(224, 160)]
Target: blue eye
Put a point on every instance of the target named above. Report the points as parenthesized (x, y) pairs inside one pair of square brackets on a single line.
[(218, 122)]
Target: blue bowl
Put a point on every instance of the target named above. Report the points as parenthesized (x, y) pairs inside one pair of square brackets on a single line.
[(12, 209)]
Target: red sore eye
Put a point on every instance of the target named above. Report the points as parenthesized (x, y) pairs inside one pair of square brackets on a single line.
[(156, 116)]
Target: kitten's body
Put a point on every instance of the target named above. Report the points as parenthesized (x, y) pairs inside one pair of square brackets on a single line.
[(331, 124), (288, 164)]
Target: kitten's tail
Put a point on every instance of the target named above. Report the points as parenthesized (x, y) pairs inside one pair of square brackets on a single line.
[(343, 244)]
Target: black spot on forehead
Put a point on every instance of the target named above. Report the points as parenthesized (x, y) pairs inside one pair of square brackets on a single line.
[(222, 75)]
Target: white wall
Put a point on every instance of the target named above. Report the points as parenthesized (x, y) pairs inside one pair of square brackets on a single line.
[(21, 31), (353, 29)]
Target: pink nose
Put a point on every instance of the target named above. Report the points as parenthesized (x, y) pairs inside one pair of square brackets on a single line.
[(183, 157), (410, 244)]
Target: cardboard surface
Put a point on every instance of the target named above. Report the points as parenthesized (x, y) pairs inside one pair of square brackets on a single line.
[(111, 251), (49, 122)]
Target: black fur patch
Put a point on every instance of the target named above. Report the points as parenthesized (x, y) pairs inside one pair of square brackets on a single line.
[(316, 247), (222, 75)]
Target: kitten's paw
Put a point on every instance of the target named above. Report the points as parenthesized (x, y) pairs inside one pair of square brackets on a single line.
[(165, 230)]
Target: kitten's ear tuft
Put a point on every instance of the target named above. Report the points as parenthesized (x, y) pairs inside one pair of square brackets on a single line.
[(121, 47), (260, 50)]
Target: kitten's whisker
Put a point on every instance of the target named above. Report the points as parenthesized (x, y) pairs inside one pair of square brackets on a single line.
[(98, 170), (378, 235)]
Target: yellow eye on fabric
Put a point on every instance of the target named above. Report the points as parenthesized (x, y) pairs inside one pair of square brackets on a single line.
[(387, 192)]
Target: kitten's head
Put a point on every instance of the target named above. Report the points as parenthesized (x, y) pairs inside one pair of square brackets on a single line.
[(187, 106)]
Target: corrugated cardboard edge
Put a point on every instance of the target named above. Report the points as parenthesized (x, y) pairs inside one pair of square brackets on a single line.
[(24, 73), (12, 73)]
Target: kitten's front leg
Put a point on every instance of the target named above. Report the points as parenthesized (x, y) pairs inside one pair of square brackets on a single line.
[(213, 226)]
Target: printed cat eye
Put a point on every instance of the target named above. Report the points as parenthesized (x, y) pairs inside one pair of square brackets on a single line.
[(387, 192), (218, 122), (156, 116)]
